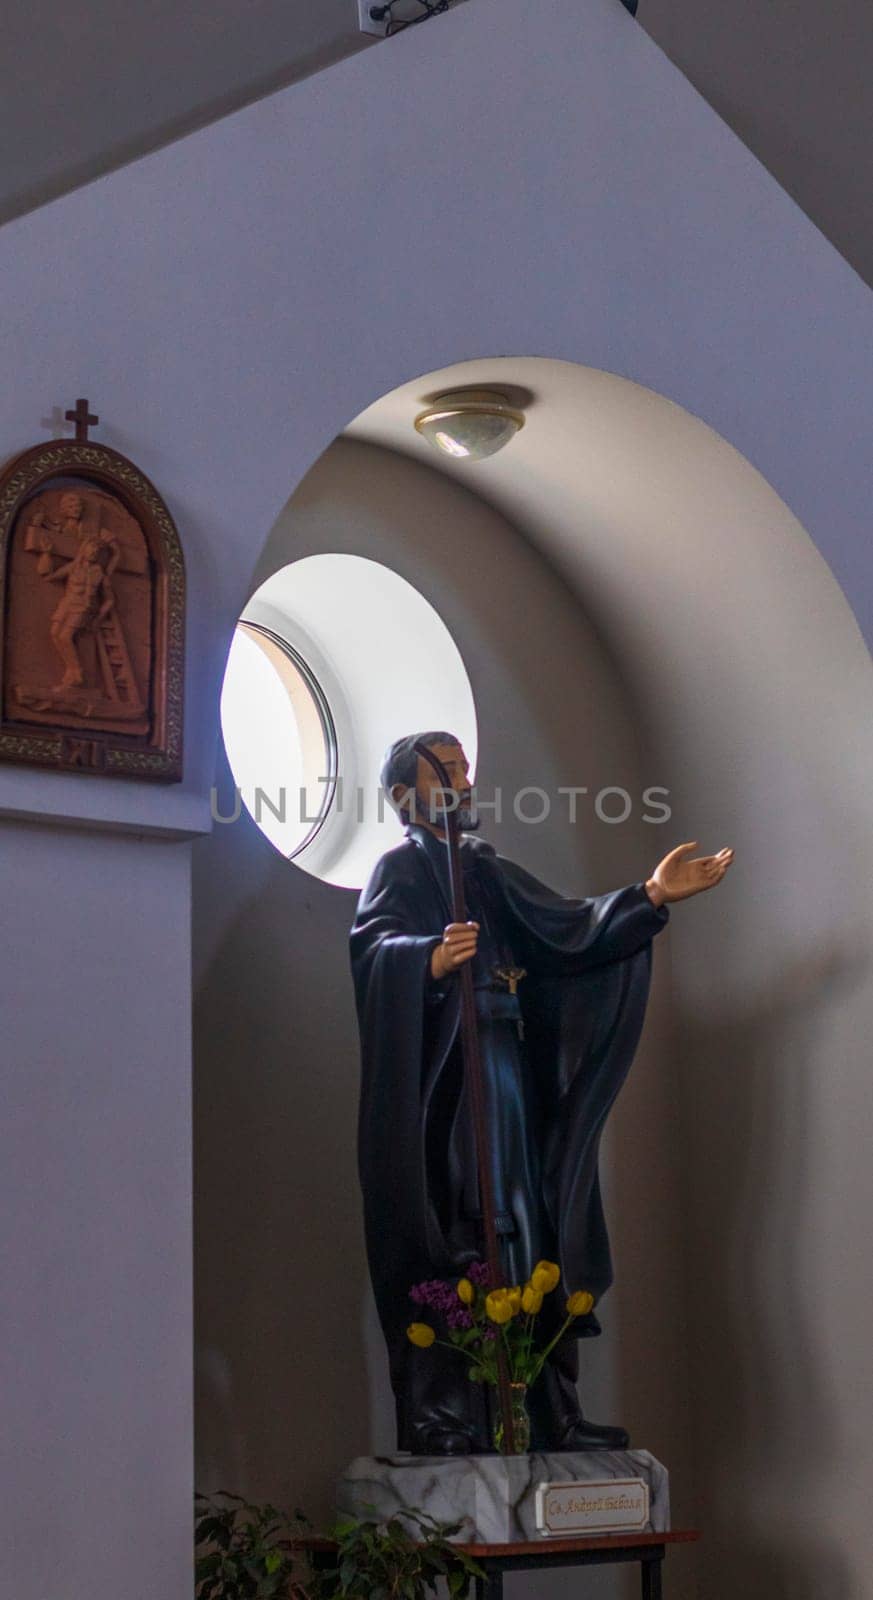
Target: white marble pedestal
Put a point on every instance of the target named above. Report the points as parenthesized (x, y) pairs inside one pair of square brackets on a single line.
[(493, 1497)]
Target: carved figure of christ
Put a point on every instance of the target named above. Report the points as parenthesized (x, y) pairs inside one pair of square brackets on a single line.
[(89, 556)]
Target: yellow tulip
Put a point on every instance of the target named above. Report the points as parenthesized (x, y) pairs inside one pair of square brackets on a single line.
[(498, 1307), (421, 1334), (466, 1292), (531, 1300), (580, 1303), (514, 1298), (545, 1277)]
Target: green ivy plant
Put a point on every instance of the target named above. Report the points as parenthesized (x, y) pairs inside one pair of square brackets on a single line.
[(256, 1552), (241, 1550)]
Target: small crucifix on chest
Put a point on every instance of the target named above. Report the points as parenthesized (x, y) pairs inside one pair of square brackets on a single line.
[(511, 976)]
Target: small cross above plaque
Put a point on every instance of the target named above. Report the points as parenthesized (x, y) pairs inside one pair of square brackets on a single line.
[(83, 418)]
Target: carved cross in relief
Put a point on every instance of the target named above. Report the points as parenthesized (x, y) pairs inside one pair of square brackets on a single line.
[(83, 419)]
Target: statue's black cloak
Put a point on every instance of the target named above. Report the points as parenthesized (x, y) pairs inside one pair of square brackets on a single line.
[(583, 1002)]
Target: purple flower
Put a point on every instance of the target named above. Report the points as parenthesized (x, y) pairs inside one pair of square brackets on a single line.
[(435, 1293), (459, 1317), (442, 1297)]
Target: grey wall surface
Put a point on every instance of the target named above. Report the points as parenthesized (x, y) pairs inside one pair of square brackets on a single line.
[(792, 78), (92, 87), (201, 299), (95, 1219), (282, 1292)]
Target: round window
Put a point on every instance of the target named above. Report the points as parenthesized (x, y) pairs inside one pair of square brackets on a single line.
[(335, 656), (279, 736)]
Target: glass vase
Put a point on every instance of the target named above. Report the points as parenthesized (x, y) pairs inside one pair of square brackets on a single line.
[(520, 1421)]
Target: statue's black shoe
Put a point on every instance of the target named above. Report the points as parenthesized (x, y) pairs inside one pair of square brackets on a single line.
[(580, 1434), (436, 1441)]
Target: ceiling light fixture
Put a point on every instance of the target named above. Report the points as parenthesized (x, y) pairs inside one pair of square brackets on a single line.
[(469, 423)]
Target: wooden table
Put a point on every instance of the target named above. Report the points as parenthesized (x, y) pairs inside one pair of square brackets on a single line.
[(648, 1549)]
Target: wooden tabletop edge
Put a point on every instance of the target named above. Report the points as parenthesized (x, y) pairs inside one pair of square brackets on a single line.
[(609, 1541), (544, 1545)]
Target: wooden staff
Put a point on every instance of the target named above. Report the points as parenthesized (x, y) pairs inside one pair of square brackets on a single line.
[(474, 1082)]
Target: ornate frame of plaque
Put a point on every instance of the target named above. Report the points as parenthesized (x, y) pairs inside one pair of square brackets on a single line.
[(92, 615)]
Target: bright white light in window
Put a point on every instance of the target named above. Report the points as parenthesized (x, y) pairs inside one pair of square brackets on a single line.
[(275, 738), (335, 657)]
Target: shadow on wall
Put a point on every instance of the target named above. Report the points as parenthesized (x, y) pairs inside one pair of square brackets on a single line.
[(644, 1315), (282, 1390), (764, 1413)]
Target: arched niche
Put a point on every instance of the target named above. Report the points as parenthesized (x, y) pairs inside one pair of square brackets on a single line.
[(635, 606)]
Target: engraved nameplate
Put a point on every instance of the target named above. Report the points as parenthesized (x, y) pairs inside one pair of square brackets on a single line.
[(608, 1505)]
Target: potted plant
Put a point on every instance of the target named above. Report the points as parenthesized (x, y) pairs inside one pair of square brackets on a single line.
[(257, 1552)]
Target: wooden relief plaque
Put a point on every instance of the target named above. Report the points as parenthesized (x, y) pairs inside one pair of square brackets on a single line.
[(92, 616)]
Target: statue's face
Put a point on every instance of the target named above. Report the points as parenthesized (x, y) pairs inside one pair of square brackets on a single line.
[(70, 506), (428, 787)]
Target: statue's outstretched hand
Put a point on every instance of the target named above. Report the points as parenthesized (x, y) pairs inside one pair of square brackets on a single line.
[(677, 877), (458, 946)]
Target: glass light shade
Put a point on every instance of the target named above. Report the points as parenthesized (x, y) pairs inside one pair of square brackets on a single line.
[(470, 423)]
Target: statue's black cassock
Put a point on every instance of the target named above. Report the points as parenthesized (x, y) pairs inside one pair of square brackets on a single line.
[(581, 1011)]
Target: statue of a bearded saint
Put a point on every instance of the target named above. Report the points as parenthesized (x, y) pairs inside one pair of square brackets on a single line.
[(555, 1045)]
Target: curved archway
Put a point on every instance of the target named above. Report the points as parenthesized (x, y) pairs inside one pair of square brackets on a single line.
[(636, 607)]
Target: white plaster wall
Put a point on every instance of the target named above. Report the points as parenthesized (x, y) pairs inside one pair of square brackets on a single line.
[(230, 302), (95, 1215)]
